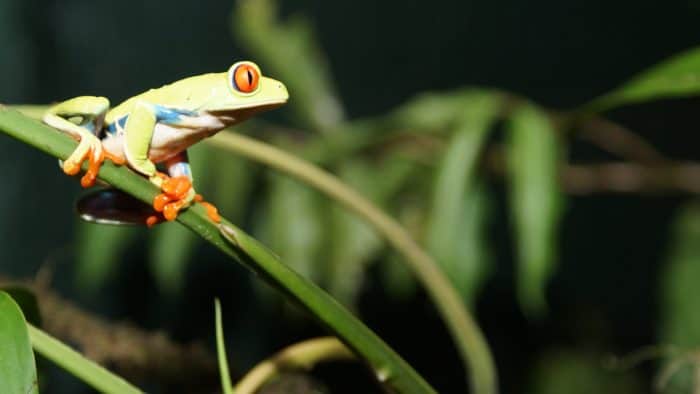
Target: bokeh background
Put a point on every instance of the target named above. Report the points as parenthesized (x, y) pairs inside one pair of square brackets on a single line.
[(621, 256)]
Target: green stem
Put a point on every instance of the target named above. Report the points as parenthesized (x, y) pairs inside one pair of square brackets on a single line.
[(471, 342), (224, 373), (388, 366), (304, 355), (89, 372)]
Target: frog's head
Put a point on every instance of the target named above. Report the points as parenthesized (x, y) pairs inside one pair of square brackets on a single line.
[(243, 92)]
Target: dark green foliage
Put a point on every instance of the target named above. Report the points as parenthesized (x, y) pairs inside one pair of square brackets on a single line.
[(17, 367), (451, 165)]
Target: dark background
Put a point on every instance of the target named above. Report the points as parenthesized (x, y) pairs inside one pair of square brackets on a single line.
[(559, 53)]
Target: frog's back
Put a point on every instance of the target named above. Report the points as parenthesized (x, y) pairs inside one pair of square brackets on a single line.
[(186, 94)]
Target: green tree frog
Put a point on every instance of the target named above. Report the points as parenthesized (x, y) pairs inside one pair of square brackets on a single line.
[(158, 126)]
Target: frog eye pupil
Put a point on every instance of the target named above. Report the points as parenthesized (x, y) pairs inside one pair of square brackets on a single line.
[(245, 78)]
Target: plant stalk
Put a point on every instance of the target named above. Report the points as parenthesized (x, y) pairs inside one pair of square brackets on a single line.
[(391, 370), (465, 331)]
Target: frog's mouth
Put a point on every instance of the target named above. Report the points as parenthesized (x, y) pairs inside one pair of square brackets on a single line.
[(233, 116)]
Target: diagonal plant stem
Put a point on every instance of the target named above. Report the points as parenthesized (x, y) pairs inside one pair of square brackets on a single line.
[(91, 373), (391, 370), (303, 355), (470, 341), (472, 345)]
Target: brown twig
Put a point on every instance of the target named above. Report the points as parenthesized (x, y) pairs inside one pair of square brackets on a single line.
[(616, 177), (128, 350), (618, 140), (632, 178)]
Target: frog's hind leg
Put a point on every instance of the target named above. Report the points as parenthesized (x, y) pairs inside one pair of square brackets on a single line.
[(90, 112)]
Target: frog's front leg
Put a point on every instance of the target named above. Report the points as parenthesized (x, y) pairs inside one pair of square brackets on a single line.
[(91, 111), (138, 133)]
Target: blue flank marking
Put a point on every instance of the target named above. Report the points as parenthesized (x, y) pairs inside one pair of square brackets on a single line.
[(179, 169), (112, 127), (169, 115), (163, 115)]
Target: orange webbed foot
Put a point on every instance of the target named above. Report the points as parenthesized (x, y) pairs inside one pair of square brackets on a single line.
[(177, 194), (174, 196)]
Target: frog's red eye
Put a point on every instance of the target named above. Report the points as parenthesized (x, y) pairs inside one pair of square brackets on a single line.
[(245, 78)]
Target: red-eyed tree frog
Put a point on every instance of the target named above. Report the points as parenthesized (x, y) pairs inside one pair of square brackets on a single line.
[(159, 125)]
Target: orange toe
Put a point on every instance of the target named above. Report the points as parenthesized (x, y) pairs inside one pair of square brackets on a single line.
[(212, 212), (118, 160), (88, 180), (177, 187), (152, 221), (96, 161), (160, 201), (170, 210)]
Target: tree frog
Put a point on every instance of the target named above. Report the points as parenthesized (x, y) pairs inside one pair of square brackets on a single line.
[(157, 127)]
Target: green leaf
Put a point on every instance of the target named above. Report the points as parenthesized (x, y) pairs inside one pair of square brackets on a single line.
[(354, 242), (398, 281), (678, 76), (27, 302), (226, 385), (680, 320), (88, 371), (17, 366), (289, 51), (434, 112), (172, 247), (679, 325), (99, 250), (294, 225), (233, 182), (455, 233), (536, 200)]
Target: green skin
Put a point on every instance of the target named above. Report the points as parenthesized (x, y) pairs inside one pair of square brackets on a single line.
[(159, 125)]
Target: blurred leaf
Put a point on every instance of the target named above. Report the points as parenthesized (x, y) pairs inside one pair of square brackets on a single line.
[(433, 112), (535, 201), (99, 249), (19, 64), (678, 376), (678, 76), (171, 250), (354, 242), (233, 182), (467, 261), (455, 233), (578, 372), (293, 224), (17, 366), (27, 302), (288, 51), (397, 278), (680, 320), (226, 386)]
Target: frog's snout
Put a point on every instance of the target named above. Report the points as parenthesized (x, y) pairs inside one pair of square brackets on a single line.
[(283, 91)]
